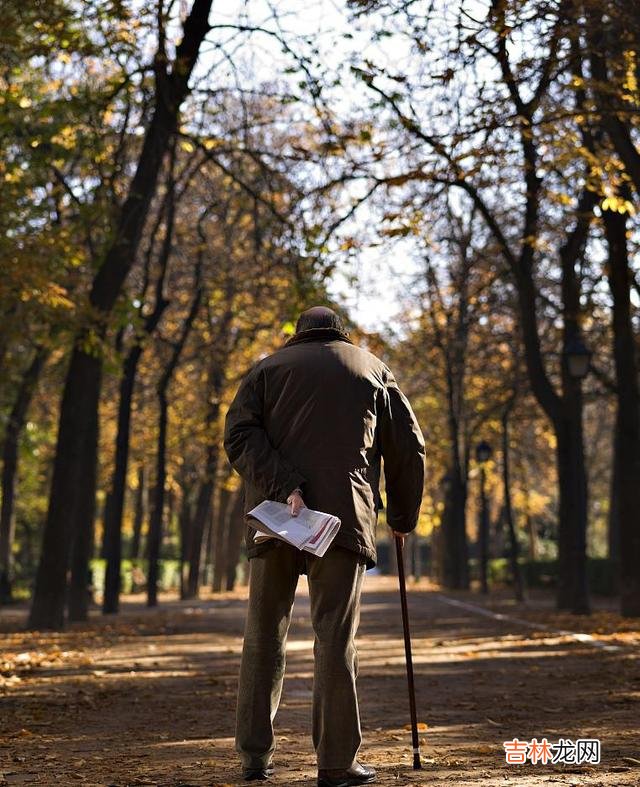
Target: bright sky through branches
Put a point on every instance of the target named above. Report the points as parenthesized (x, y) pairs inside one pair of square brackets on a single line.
[(370, 282)]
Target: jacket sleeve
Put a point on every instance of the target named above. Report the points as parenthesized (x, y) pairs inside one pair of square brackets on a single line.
[(402, 448), (248, 447)]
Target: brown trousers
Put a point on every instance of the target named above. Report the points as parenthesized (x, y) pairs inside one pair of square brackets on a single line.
[(335, 582)]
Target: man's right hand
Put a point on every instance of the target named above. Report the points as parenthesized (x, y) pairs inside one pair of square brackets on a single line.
[(295, 502)]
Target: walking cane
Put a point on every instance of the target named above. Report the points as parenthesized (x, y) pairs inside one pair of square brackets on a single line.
[(407, 652)]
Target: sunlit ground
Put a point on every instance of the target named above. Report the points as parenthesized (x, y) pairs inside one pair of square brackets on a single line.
[(148, 698)]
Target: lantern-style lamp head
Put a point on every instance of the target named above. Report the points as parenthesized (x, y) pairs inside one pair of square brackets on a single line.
[(445, 482), (578, 357), (483, 452)]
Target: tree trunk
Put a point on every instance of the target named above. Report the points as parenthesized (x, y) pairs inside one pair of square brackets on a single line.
[(200, 519), (75, 460), (80, 587), (185, 520), (234, 539), (613, 523), (138, 513), (157, 505), (207, 568), (514, 549), (529, 521), (15, 424), (455, 543), (76, 440), (627, 428), (220, 540), (113, 513), (572, 590), (113, 522), (157, 511)]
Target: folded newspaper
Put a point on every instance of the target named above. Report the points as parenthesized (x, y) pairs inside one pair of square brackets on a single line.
[(311, 530)]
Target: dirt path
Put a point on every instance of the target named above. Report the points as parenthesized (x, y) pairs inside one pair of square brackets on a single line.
[(149, 699)]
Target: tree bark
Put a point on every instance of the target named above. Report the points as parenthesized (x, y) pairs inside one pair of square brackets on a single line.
[(613, 521), (514, 549), (76, 428), (113, 512), (185, 520), (139, 511), (607, 23), (113, 520), (572, 590), (627, 427), (220, 540), (157, 511), (80, 587), (200, 519), (157, 505), (75, 459), (234, 540), (14, 427)]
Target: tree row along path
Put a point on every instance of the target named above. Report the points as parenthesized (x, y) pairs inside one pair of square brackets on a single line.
[(148, 698)]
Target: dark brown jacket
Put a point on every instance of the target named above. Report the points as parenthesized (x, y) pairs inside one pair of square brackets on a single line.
[(319, 414)]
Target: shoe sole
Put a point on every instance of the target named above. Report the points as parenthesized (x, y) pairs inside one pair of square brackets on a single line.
[(346, 782), (260, 777)]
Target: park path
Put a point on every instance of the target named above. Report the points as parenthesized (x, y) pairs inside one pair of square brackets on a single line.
[(148, 698)]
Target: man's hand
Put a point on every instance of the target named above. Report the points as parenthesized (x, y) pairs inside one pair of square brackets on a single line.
[(296, 502)]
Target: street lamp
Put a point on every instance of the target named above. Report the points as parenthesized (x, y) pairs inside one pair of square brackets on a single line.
[(445, 483), (578, 357), (483, 454)]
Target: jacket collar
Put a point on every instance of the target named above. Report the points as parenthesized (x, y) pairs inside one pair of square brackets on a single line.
[(318, 335)]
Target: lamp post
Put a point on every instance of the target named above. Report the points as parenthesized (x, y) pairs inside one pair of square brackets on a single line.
[(483, 454)]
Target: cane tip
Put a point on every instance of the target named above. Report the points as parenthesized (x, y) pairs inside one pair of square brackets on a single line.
[(417, 765)]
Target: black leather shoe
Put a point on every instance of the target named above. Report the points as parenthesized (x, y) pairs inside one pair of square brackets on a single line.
[(356, 774), (257, 774)]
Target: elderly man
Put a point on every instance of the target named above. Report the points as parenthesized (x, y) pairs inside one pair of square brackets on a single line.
[(309, 426)]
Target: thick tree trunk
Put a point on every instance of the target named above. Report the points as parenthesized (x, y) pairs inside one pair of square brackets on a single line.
[(80, 586), (15, 424), (76, 429), (74, 464), (627, 428)]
